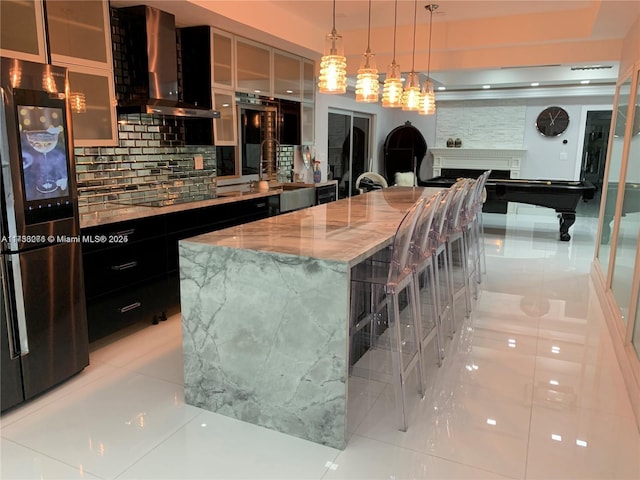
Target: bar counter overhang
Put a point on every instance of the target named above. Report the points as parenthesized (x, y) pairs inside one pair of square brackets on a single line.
[(265, 312)]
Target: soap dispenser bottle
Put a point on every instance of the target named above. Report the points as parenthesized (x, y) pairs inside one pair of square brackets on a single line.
[(316, 172)]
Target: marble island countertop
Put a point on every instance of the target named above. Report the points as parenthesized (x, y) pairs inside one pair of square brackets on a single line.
[(114, 212), (344, 231)]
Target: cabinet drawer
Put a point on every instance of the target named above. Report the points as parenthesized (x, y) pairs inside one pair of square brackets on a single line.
[(133, 231), (109, 313), (129, 264)]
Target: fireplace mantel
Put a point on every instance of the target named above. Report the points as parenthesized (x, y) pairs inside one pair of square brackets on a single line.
[(478, 159)]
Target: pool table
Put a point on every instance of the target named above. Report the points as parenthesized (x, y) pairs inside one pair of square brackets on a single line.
[(562, 196)]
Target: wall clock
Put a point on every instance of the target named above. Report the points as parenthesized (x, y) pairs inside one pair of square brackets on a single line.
[(552, 121)]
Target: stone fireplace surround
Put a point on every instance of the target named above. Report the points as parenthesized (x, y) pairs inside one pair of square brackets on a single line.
[(477, 159), (504, 163)]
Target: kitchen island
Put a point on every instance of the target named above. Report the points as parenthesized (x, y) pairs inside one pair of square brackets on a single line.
[(265, 312)]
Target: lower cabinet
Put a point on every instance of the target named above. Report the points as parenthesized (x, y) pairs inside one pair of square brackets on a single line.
[(146, 301), (326, 194), (137, 279)]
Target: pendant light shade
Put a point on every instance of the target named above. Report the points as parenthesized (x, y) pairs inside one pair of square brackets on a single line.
[(392, 92), (367, 85), (333, 65), (411, 95), (428, 97)]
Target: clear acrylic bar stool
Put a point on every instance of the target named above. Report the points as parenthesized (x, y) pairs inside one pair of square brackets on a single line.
[(457, 241), (426, 286), (438, 245), (399, 336), (478, 226)]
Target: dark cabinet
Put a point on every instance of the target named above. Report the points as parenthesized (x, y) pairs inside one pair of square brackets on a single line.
[(290, 122), (124, 274), (326, 194), (131, 268)]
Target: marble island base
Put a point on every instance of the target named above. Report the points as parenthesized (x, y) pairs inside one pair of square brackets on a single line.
[(265, 339)]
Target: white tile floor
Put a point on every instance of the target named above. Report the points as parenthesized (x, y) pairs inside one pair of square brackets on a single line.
[(530, 388)]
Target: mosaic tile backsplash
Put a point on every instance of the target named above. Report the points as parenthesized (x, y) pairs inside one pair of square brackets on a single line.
[(150, 163)]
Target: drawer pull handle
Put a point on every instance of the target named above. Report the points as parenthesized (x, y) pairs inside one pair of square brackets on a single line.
[(128, 308), (125, 233), (124, 266)]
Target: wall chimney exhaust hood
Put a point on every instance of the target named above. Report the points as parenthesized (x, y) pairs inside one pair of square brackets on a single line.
[(149, 80)]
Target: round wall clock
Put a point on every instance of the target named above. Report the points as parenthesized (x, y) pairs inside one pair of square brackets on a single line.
[(552, 121)]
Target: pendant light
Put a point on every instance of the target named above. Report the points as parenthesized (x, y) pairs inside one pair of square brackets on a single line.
[(333, 65), (428, 97), (392, 92), (367, 85), (411, 96)]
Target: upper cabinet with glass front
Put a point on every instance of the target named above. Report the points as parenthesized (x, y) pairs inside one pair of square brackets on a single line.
[(253, 67), (22, 30), (79, 33), (80, 39), (222, 61), (308, 80), (286, 75), (93, 117)]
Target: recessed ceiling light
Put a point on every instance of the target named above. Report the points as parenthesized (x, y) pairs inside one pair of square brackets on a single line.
[(486, 86), (584, 82), (442, 88), (289, 91), (257, 91), (535, 84)]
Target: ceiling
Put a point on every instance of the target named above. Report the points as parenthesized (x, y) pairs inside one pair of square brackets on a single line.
[(506, 44)]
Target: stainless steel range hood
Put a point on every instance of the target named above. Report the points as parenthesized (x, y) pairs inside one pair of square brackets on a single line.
[(149, 80)]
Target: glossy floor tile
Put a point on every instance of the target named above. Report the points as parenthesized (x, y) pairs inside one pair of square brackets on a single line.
[(529, 388)]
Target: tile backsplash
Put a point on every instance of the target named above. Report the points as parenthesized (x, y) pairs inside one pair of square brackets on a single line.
[(150, 163)]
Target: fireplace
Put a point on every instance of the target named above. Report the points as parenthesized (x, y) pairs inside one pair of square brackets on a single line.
[(490, 206), (477, 159), (471, 162)]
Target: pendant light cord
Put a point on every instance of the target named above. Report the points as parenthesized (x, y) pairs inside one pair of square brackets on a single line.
[(430, 7), (333, 31), (413, 58), (369, 30), (395, 25)]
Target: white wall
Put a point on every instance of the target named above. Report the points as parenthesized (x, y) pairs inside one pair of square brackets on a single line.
[(482, 124)]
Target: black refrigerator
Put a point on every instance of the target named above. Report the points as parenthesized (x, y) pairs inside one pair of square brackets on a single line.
[(43, 329)]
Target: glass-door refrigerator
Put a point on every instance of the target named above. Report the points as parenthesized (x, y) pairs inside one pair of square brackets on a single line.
[(43, 329)]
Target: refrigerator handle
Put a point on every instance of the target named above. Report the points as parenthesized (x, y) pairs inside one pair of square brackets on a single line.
[(18, 344), (14, 350)]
